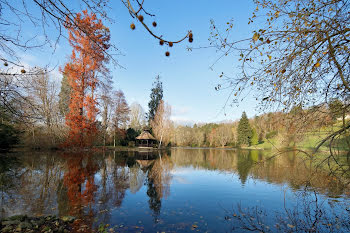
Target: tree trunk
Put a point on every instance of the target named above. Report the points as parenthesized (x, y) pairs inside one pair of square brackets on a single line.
[(33, 135), (160, 141), (104, 140)]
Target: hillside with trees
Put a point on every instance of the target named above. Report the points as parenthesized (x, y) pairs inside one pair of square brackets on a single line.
[(267, 131)]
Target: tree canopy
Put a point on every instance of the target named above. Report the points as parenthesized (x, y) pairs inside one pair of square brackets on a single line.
[(156, 96), (300, 56), (64, 96)]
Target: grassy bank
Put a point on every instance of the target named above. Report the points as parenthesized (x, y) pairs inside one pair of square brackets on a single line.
[(309, 141)]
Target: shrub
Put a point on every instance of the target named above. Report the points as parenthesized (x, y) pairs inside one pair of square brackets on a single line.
[(271, 134), (8, 136)]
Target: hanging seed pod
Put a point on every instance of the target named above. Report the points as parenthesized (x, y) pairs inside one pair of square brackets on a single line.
[(140, 17), (190, 39), (171, 44), (23, 71), (6, 64), (154, 24), (161, 42), (190, 35), (132, 26), (167, 53)]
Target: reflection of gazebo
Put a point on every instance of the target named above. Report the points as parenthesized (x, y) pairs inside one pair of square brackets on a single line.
[(145, 139), (145, 164)]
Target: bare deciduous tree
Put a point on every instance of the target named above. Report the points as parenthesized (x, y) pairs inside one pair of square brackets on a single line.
[(161, 124), (137, 116), (223, 134), (121, 112), (299, 57), (106, 103)]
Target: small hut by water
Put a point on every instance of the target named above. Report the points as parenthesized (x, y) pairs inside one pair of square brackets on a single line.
[(145, 139)]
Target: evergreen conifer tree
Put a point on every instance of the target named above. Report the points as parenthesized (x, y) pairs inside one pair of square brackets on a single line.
[(244, 131), (156, 97), (8, 136), (64, 96)]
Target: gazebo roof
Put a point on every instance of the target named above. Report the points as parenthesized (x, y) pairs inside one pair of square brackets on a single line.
[(145, 135), (145, 163)]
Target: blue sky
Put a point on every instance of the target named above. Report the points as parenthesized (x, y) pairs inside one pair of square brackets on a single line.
[(188, 82)]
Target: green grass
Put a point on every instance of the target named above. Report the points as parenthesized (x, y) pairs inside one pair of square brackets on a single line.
[(311, 140), (267, 144)]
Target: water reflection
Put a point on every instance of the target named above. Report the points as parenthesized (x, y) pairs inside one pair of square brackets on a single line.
[(158, 183), (137, 188), (7, 179), (289, 168), (79, 187)]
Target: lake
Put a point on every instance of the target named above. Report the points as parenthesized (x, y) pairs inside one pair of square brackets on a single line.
[(180, 190)]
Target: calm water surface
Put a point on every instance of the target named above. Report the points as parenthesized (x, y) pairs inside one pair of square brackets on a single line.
[(182, 190)]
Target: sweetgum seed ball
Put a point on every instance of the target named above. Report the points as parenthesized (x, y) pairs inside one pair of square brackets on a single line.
[(161, 42), (140, 17), (132, 26), (154, 24), (170, 44), (190, 39), (167, 53)]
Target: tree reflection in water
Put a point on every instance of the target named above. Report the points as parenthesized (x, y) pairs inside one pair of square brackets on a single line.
[(7, 180), (82, 192), (158, 183), (80, 184), (120, 173), (244, 163)]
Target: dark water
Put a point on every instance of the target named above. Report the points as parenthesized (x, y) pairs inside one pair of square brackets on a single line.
[(182, 190)]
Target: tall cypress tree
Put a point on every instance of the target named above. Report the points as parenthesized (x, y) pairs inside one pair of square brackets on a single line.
[(156, 97), (244, 131), (64, 96)]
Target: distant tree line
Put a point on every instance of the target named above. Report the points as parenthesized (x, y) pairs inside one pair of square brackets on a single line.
[(282, 129)]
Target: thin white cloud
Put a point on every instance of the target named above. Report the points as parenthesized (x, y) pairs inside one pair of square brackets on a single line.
[(180, 110), (28, 58), (182, 120), (181, 115)]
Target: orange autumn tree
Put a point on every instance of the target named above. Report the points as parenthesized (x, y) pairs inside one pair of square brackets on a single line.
[(86, 65)]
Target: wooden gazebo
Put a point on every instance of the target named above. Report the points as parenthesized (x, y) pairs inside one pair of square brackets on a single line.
[(145, 139)]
